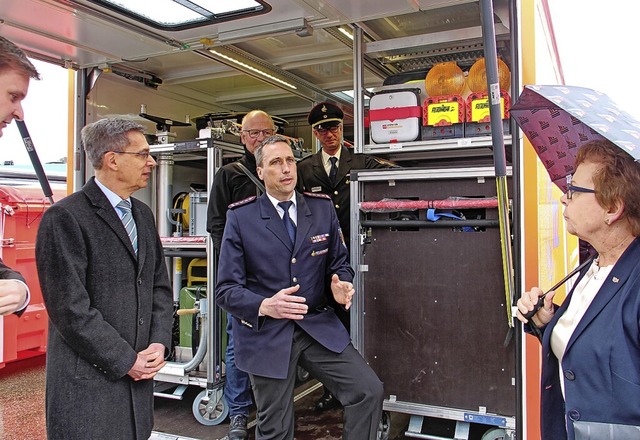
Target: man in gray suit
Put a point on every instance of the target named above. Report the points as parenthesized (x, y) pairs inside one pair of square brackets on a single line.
[(15, 72), (105, 284)]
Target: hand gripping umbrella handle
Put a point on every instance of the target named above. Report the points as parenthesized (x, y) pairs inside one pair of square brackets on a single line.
[(540, 302), (35, 160)]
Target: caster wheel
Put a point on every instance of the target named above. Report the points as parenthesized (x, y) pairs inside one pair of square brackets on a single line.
[(210, 408), (495, 434)]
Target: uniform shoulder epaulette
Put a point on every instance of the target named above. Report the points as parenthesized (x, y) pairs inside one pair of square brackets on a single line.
[(317, 195), (242, 202)]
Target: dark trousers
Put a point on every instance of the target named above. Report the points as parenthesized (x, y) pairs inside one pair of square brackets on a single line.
[(347, 374)]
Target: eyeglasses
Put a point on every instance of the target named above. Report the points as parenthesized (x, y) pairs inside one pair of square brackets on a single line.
[(253, 134), (324, 131), (141, 154), (574, 189)]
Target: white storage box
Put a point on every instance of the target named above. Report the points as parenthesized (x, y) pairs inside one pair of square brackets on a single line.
[(395, 116)]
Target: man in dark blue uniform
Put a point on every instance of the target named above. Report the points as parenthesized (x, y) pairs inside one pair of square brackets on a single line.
[(280, 253), (233, 182)]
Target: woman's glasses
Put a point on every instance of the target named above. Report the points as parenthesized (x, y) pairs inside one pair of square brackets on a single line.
[(574, 189)]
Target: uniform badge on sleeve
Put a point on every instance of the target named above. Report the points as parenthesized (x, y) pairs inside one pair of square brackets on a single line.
[(341, 237)]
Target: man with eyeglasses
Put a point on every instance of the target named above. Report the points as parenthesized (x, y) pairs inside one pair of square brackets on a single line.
[(232, 183), (328, 172), (106, 288), (15, 73)]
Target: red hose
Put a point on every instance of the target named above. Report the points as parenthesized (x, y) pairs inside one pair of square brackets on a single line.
[(409, 205)]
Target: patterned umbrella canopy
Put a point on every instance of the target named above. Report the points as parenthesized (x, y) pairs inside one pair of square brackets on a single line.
[(558, 120)]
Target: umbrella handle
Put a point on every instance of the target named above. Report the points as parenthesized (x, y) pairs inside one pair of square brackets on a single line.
[(540, 302), (35, 160)]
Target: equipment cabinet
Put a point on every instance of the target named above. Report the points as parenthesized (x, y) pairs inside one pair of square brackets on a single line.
[(430, 315)]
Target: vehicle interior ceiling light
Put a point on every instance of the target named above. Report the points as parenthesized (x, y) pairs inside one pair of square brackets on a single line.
[(253, 69), (346, 33), (181, 13)]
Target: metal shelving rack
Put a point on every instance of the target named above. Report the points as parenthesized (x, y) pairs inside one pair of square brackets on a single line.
[(209, 407)]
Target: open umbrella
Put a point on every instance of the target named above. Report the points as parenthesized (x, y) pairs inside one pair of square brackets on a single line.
[(558, 120)]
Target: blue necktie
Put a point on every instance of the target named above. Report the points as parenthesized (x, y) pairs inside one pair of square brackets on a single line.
[(129, 224), (333, 171), (288, 223)]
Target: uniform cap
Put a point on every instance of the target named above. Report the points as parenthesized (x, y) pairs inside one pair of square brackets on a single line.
[(325, 115)]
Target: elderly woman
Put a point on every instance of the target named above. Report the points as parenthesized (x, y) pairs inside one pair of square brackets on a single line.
[(591, 343)]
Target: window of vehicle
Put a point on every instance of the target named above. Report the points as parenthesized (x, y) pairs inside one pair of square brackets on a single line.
[(177, 15)]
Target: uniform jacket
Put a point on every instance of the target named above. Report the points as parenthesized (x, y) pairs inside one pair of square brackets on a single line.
[(313, 178), (104, 306), (257, 260), (601, 364), (230, 185)]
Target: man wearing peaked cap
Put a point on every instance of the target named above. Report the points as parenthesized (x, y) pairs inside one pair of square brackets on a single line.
[(315, 171), (328, 172), (325, 115)]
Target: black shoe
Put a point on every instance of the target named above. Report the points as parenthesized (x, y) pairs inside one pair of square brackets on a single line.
[(327, 402), (238, 427)]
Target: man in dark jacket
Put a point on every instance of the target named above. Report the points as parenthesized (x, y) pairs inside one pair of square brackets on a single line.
[(105, 285), (328, 172), (315, 171), (15, 72), (232, 183)]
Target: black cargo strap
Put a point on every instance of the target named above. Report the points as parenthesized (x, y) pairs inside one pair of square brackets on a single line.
[(250, 175)]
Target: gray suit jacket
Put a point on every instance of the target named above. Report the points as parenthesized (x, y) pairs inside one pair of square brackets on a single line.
[(104, 306)]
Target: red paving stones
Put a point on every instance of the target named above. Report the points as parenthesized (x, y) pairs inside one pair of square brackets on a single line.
[(22, 400)]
